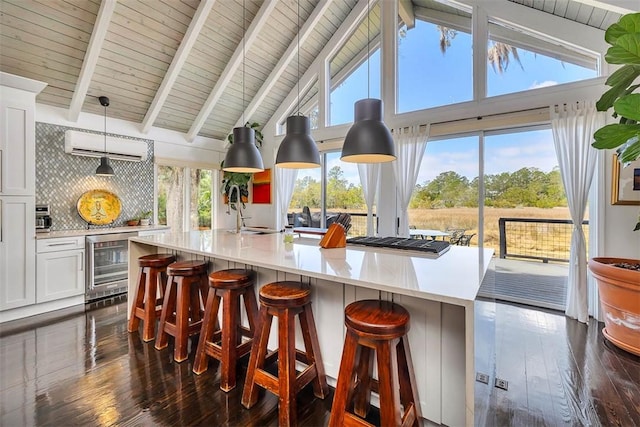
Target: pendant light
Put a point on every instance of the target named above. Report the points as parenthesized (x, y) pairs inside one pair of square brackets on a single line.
[(298, 150), (105, 168), (243, 155), (368, 139)]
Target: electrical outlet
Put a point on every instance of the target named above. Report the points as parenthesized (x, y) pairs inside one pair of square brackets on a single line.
[(503, 384), (482, 378)]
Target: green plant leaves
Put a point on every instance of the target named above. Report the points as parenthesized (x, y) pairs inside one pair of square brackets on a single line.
[(615, 135), (628, 24), (628, 106), (625, 51)]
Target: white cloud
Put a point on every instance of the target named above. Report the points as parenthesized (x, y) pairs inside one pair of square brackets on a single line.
[(545, 83)]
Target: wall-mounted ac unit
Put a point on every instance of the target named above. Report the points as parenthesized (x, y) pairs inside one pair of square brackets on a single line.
[(92, 145)]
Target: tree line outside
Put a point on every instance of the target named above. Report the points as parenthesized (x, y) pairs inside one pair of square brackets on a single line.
[(526, 187)]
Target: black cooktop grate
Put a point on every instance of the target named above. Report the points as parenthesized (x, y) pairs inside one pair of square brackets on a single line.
[(430, 246)]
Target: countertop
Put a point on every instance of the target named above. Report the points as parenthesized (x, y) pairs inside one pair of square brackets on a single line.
[(454, 277), (102, 230)]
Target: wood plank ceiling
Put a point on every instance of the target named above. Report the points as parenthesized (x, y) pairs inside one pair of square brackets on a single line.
[(177, 64)]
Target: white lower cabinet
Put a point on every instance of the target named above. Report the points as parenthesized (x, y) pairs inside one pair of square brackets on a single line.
[(17, 251), (60, 269)]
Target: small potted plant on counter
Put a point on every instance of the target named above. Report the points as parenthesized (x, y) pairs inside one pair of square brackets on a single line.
[(145, 217)]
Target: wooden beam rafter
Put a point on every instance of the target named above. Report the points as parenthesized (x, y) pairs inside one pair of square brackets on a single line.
[(91, 57), (405, 10)]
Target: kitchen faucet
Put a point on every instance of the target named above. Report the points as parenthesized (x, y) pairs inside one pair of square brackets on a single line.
[(239, 218)]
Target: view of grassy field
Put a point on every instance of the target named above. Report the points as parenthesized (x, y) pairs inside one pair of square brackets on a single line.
[(550, 240), (528, 239)]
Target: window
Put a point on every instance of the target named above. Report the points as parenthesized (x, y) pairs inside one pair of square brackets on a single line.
[(435, 59), (446, 192), (308, 107), (351, 73), (171, 196), (200, 206), (343, 193), (518, 61), (184, 197)]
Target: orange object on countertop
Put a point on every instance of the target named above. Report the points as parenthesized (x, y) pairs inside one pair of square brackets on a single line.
[(335, 237)]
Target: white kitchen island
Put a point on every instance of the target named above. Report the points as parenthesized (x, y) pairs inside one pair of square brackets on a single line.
[(439, 293)]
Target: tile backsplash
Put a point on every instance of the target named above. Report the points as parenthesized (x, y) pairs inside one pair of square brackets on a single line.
[(62, 178)]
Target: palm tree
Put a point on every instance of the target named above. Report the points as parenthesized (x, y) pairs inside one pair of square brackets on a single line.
[(498, 54)]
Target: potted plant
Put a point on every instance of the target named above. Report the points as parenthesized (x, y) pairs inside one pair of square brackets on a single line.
[(229, 179), (619, 278), (145, 217)]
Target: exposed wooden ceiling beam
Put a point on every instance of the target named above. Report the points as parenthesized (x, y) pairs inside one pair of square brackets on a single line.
[(305, 31), (190, 37), (405, 10), (233, 64), (91, 57)]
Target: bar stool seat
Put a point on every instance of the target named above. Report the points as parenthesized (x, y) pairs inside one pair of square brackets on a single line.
[(148, 302), (226, 344), (376, 328), (285, 300), (183, 305)]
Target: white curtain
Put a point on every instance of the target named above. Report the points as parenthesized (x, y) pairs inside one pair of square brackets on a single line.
[(573, 127), (369, 176), (285, 180), (410, 144)]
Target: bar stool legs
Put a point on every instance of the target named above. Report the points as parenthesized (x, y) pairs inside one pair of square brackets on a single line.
[(182, 307), (286, 300), (225, 344), (376, 328), (145, 307)]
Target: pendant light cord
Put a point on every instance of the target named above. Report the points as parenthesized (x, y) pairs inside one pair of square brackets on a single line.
[(244, 58), (105, 129), (368, 65), (298, 37)]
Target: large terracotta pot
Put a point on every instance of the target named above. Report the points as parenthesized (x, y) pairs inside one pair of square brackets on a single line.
[(620, 301)]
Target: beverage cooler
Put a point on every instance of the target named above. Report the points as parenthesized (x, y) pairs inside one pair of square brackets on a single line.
[(107, 265)]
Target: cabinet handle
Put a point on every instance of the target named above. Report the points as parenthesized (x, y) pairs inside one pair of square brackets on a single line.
[(81, 261), (61, 244)]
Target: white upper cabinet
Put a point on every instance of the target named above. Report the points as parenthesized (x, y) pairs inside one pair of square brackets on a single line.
[(17, 135)]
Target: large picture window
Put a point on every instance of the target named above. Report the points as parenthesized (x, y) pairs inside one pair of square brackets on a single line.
[(518, 61), (342, 194), (434, 59), (355, 69)]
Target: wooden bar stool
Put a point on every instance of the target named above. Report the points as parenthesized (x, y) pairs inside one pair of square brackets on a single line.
[(285, 300), (183, 304), (153, 269), (378, 327), (225, 344)]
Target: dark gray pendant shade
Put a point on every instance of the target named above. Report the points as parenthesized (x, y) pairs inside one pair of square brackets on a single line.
[(243, 155), (369, 139), (298, 150), (105, 168)]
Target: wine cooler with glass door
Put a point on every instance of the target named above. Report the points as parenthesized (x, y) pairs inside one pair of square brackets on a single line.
[(107, 265)]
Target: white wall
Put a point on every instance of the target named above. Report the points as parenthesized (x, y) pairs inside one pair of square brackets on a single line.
[(619, 239)]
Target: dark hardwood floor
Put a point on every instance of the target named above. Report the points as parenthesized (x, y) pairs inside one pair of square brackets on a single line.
[(85, 369)]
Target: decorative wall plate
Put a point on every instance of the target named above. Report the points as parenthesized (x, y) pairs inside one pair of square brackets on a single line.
[(99, 207)]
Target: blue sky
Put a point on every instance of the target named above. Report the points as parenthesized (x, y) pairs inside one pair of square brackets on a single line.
[(427, 78)]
